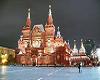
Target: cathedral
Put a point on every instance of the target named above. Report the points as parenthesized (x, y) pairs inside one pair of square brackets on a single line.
[(41, 46)]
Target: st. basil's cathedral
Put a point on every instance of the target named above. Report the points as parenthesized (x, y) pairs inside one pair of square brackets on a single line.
[(41, 46)]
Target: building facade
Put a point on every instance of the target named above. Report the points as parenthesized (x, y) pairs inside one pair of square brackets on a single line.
[(7, 56), (40, 45)]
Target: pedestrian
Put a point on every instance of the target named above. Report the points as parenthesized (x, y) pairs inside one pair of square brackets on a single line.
[(79, 67)]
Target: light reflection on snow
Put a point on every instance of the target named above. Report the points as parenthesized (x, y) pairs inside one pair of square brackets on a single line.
[(3, 73), (3, 70)]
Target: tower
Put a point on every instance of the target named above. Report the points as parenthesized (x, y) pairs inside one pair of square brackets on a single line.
[(58, 39), (67, 45), (28, 21), (49, 27), (26, 29), (58, 33), (82, 48), (75, 50), (25, 37)]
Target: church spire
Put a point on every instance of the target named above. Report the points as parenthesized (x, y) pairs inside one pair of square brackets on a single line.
[(75, 50), (68, 43), (28, 21), (50, 13), (82, 48), (29, 13), (50, 19), (58, 33), (82, 43), (75, 44)]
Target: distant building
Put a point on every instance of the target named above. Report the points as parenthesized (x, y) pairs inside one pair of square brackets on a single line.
[(98, 54), (7, 55), (41, 46), (79, 56)]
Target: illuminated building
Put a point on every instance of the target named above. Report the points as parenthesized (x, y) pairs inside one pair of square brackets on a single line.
[(97, 54), (7, 55), (41, 46), (78, 56)]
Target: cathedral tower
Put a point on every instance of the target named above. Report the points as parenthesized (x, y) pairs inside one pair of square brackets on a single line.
[(25, 37), (58, 39), (82, 49), (26, 29), (49, 27), (75, 50)]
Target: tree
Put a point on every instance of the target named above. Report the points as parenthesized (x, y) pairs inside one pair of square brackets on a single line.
[(89, 45)]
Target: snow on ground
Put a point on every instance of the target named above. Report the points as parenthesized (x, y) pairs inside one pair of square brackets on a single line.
[(49, 73)]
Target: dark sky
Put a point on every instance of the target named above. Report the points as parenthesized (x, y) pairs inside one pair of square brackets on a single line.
[(76, 18)]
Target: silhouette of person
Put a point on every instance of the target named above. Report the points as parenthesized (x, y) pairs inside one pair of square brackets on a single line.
[(79, 66)]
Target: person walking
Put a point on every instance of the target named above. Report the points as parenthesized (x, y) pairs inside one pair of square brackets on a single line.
[(79, 67)]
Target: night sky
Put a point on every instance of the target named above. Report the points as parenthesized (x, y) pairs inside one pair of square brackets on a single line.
[(76, 18)]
